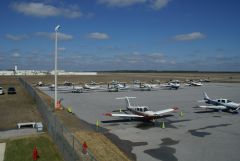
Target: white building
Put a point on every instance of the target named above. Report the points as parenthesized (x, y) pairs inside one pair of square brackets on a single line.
[(36, 72)]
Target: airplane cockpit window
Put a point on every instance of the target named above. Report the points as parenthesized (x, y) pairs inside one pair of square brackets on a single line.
[(140, 109), (145, 109), (223, 101)]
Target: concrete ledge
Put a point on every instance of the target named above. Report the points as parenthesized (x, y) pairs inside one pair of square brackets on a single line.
[(26, 124), (17, 133), (2, 151)]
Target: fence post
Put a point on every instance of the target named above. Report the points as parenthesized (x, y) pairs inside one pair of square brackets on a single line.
[(73, 147)]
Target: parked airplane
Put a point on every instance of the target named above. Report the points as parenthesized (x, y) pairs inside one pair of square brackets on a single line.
[(73, 88), (220, 104), (67, 83), (142, 112), (94, 83), (116, 87), (112, 89), (91, 87), (40, 84), (145, 87), (77, 89), (192, 83), (172, 85)]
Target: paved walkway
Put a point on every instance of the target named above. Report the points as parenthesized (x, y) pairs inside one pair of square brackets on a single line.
[(17, 133), (2, 151)]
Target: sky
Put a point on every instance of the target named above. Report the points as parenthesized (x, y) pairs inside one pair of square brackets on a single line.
[(95, 35)]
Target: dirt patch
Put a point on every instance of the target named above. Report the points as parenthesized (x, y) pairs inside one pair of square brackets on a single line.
[(16, 107)]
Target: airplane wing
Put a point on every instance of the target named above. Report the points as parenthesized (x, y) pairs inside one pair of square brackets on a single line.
[(200, 101), (214, 107), (120, 110), (165, 111), (122, 115)]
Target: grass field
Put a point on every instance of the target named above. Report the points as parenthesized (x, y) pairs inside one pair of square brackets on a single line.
[(21, 149), (17, 107), (143, 77), (20, 107)]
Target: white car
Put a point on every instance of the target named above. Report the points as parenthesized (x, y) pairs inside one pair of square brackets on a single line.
[(1, 91)]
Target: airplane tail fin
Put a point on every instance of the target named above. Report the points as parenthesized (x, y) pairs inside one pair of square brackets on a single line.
[(126, 100), (205, 96)]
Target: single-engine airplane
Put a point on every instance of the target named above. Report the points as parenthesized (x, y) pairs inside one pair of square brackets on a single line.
[(91, 87), (219, 104), (142, 112), (192, 83), (145, 87), (73, 88), (175, 84)]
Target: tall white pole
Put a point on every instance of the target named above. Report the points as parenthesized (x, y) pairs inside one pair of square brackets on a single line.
[(56, 50)]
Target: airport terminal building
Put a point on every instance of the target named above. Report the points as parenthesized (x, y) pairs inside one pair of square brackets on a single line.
[(15, 71)]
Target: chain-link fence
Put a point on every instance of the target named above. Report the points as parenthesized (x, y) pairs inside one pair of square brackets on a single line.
[(69, 146)]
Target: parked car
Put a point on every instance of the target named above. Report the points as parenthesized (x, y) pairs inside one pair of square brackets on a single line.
[(12, 90), (1, 91)]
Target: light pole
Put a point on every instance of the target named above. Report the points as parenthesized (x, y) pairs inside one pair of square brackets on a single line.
[(56, 50)]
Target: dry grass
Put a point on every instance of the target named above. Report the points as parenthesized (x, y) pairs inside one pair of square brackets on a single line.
[(101, 147), (144, 77), (17, 107)]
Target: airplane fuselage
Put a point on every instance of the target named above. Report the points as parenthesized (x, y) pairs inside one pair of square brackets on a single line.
[(143, 111), (223, 102)]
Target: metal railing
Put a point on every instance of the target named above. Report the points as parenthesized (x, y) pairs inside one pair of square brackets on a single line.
[(69, 146)]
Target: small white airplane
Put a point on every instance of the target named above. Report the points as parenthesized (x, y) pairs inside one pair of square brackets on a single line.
[(142, 112), (116, 87), (145, 87), (220, 104), (67, 83), (94, 83), (175, 84), (40, 84), (77, 89), (91, 87), (192, 83), (73, 88)]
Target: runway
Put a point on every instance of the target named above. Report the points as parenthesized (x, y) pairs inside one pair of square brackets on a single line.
[(197, 135)]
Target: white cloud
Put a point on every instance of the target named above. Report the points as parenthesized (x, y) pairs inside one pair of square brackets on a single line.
[(121, 3), (61, 49), (155, 4), (16, 37), (189, 37), (38, 9), (137, 58), (159, 4), (98, 36), (157, 58), (16, 55), (61, 36)]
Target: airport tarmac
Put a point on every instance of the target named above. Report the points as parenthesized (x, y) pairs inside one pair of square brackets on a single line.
[(198, 135)]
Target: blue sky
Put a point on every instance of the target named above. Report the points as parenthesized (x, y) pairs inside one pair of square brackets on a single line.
[(121, 34)]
